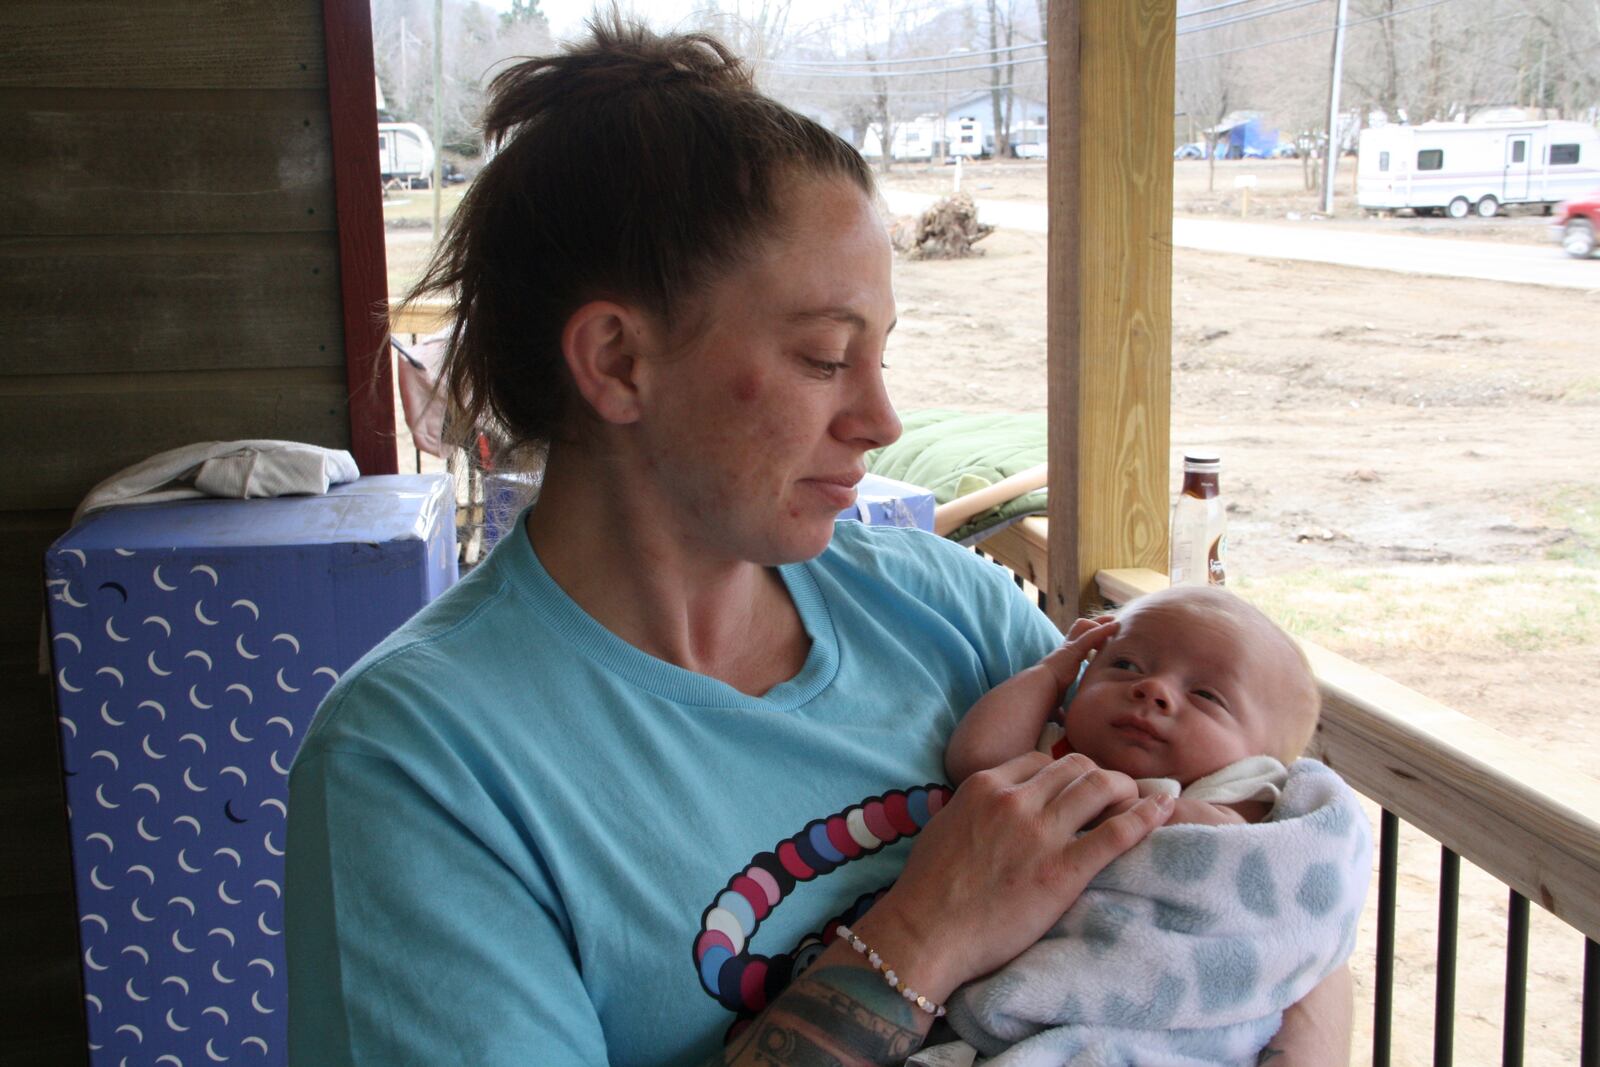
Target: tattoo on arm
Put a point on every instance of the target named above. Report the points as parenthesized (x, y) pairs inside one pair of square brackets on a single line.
[(836, 1017)]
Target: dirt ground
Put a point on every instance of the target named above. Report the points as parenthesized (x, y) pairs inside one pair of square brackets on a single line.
[(1411, 469)]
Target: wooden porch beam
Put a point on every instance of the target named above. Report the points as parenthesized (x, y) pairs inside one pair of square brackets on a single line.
[(1110, 291)]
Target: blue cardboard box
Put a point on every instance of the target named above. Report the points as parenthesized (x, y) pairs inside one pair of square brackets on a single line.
[(884, 501), (191, 643)]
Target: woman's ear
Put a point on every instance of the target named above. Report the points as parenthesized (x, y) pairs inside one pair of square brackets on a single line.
[(601, 344)]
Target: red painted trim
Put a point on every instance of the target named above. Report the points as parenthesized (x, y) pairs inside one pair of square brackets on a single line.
[(358, 199)]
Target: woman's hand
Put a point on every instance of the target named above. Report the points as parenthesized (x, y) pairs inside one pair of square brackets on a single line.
[(1000, 864)]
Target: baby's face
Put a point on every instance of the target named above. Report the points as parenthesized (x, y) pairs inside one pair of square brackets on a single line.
[(1179, 694)]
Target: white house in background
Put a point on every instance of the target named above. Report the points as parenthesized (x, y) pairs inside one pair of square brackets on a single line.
[(976, 109), (914, 140)]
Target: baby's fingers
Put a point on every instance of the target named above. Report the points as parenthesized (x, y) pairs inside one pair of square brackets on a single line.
[(1080, 627)]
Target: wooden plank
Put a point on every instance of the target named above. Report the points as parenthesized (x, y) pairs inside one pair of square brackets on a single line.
[(167, 172), (170, 303), (1111, 339), (23, 538), (363, 273), (1486, 795), (184, 44), (420, 317), (1024, 547), (54, 461)]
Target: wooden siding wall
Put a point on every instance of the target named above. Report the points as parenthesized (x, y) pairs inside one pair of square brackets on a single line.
[(170, 266)]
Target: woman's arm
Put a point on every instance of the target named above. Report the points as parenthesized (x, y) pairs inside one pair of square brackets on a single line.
[(1009, 834), (1316, 1031), (1006, 721)]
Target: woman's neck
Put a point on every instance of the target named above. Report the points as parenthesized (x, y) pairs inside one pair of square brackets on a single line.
[(606, 545)]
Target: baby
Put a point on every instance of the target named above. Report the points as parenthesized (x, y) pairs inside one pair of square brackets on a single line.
[(1187, 949)]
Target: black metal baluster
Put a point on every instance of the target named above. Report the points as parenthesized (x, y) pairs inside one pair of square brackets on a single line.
[(1383, 995), (1516, 980), (1444, 995), (1044, 601), (1590, 1054), (1015, 577)]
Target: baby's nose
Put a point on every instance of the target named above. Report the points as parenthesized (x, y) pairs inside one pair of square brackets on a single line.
[(1154, 691)]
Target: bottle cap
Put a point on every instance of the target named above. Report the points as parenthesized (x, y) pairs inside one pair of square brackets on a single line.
[(1195, 457)]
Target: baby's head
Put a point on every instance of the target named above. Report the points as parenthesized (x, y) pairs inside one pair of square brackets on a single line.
[(1194, 679)]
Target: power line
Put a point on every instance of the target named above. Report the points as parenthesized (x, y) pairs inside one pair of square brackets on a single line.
[(914, 59), (1315, 33), (1249, 16), (932, 71)]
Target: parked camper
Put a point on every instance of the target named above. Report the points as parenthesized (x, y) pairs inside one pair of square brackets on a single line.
[(966, 137), (1461, 167), (405, 155)]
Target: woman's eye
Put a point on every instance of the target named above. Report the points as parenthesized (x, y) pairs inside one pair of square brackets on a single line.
[(826, 368)]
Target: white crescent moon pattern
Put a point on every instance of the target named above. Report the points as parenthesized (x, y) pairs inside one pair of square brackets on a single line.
[(119, 637)]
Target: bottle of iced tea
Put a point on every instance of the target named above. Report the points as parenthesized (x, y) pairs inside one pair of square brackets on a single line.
[(1199, 524)]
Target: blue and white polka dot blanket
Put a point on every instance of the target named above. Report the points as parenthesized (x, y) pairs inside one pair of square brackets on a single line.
[(1186, 950)]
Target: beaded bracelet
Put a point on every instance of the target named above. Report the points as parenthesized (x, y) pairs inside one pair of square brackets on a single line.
[(935, 1010)]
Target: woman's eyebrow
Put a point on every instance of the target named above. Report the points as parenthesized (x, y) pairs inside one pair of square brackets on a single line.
[(834, 314)]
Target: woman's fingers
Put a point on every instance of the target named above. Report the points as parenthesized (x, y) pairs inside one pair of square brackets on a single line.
[(1086, 856), (1078, 791)]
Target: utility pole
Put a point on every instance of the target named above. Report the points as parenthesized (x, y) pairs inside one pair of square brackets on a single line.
[(1331, 164), (438, 108)]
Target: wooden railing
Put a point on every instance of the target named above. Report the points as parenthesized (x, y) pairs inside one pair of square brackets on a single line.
[(1483, 795)]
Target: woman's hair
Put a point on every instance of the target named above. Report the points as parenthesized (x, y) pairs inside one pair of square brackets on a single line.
[(630, 167)]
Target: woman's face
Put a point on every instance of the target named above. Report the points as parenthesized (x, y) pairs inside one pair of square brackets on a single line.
[(755, 437)]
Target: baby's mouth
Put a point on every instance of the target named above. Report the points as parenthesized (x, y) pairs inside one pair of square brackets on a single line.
[(1137, 729)]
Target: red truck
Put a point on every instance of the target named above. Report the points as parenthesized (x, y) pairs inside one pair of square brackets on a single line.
[(1577, 223)]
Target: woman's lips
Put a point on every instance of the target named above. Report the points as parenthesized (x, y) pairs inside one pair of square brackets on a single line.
[(838, 490)]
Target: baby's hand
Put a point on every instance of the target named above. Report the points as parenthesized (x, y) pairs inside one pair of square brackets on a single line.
[(1084, 638)]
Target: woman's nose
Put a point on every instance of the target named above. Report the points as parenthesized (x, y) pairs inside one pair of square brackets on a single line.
[(871, 418)]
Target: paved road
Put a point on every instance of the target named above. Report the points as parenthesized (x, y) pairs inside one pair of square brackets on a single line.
[(1443, 256)]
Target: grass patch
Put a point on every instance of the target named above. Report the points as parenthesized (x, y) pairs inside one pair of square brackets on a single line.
[(1474, 610), (416, 205), (1582, 391), (1577, 508)]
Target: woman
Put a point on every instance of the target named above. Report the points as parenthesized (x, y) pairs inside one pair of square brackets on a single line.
[(610, 799)]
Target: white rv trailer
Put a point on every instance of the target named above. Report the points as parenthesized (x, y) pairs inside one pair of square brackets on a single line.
[(405, 154), (1460, 167)]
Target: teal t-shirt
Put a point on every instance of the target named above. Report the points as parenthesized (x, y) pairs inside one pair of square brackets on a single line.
[(515, 838)]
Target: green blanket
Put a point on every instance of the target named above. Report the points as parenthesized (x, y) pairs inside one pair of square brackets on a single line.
[(954, 453)]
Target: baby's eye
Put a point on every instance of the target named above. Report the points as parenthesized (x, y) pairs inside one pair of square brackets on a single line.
[(1123, 664), (1209, 696)]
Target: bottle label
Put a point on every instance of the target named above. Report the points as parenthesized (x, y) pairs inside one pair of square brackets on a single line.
[(1216, 571)]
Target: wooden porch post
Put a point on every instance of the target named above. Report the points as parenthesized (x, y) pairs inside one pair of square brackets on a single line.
[(1110, 290)]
